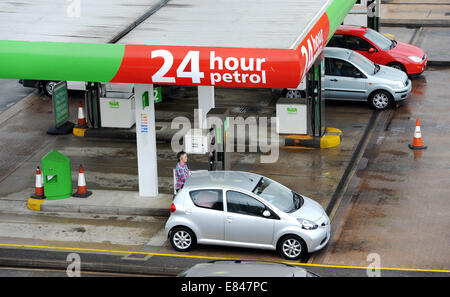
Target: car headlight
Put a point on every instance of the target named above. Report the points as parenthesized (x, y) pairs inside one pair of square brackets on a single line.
[(308, 225), (415, 59)]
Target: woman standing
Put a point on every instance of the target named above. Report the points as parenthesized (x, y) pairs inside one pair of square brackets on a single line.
[(182, 171)]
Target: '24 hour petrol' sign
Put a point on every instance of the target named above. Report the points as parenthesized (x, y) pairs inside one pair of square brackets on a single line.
[(229, 67), (225, 67)]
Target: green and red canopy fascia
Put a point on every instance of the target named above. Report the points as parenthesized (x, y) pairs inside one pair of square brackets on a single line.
[(180, 65)]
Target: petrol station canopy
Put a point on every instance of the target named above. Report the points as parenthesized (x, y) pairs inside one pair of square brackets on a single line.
[(229, 23), (94, 21), (253, 43)]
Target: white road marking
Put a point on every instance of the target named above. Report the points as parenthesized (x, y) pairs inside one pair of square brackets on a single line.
[(153, 245)]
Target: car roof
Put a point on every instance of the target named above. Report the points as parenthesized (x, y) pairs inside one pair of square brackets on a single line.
[(337, 52), (351, 29), (244, 269), (229, 179)]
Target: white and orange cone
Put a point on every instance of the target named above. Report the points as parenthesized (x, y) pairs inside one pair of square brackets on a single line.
[(81, 127), (82, 191), (417, 140), (39, 186), (81, 118)]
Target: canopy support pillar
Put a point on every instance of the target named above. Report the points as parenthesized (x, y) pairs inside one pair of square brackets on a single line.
[(146, 140)]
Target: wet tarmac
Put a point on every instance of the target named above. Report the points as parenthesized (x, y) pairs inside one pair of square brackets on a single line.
[(12, 92), (398, 204)]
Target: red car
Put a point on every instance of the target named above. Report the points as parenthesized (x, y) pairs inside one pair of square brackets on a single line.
[(380, 49)]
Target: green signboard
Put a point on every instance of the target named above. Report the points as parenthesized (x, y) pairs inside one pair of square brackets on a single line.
[(60, 104), (157, 96), (145, 100)]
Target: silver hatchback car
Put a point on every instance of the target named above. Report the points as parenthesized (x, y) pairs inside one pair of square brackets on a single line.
[(238, 268), (351, 76), (244, 209)]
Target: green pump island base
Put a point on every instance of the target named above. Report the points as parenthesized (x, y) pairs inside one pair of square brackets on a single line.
[(57, 176)]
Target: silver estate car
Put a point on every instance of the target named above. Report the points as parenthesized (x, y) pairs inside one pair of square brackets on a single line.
[(244, 209), (351, 76)]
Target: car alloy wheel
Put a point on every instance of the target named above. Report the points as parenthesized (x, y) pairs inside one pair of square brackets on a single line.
[(293, 94), (380, 100), (48, 88), (182, 239), (292, 247)]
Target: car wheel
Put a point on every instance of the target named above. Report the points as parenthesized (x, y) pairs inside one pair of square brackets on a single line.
[(380, 100), (48, 87), (397, 66), (182, 239), (294, 94), (292, 247)]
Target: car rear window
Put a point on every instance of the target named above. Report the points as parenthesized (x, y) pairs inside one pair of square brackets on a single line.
[(211, 199)]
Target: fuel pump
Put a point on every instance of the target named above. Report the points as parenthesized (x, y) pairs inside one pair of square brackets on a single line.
[(315, 98), (373, 14), (212, 161), (211, 149), (92, 104), (217, 123)]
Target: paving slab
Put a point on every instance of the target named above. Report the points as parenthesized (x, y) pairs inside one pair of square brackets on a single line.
[(113, 203), (402, 34), (414, 13), (435, 42), (432, 40)]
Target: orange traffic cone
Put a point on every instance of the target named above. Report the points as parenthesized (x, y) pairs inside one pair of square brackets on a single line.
[(81, 118), (417, 140), (82, 191), (81, 127), (39, 187)]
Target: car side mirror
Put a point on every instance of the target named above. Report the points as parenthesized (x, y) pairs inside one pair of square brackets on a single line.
[(266, 214), (372, 50)]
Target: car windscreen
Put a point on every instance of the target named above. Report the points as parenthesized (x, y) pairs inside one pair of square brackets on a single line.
[(363, 63), (380, 40), (277, 195)]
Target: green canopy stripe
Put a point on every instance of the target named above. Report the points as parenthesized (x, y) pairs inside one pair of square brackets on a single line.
[(60, 61), (336, 12)]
